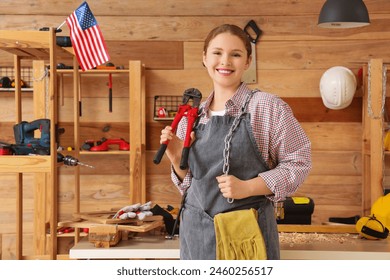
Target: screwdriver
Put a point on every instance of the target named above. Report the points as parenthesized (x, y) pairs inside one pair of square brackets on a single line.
[(71, 161)]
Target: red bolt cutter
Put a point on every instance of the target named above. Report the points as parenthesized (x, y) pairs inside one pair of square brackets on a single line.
[(184, 110)]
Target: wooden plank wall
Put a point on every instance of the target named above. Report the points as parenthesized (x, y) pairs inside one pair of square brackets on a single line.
[(168, 37)]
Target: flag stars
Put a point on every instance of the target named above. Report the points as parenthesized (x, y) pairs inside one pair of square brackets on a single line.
[(85, 17)]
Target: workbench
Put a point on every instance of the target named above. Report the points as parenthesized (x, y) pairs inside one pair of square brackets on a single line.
[(157, 247)]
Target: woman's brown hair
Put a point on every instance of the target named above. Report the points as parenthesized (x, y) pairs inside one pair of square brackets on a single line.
[(232, 29)]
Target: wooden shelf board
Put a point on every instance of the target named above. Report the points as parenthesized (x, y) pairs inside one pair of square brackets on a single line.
[(318, 228), (101, 153), (22, 164), (12, 90), (34, 45), (94, 71)]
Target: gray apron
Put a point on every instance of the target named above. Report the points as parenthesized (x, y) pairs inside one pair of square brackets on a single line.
[(204, 199)]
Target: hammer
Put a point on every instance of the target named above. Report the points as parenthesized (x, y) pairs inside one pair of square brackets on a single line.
[(110, 92)]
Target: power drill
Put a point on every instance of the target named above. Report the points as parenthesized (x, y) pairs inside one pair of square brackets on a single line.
[(25, 141), (71, 161), (26, 144)]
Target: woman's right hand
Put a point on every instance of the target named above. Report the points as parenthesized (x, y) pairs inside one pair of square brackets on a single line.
[(175, 145)]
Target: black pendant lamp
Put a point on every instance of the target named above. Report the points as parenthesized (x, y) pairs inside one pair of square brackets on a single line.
[(343, 14)]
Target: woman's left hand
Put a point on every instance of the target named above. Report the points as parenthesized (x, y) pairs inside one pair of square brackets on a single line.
[(232, 187)]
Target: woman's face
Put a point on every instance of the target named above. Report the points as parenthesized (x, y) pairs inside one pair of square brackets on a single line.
[(226, 60)]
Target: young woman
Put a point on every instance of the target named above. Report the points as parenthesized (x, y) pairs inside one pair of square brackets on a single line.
[(247, 151)]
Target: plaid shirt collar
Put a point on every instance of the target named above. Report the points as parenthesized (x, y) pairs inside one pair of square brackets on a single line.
[(233, 105)]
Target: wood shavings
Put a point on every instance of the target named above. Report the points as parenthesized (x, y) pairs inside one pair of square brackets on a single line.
[(293, 238)]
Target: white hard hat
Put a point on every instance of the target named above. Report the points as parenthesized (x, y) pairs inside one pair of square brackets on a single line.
[(337, 87)]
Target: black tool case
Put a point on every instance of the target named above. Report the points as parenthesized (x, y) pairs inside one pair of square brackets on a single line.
[(297, 210)]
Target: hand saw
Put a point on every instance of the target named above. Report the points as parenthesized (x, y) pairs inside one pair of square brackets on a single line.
[(254, 33)]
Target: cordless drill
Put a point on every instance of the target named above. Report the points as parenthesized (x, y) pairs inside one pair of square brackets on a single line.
[(26, 144), (71, 161), (25, 141)]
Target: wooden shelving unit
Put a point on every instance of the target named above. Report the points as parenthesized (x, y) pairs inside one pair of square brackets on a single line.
[(39, 47), (136, 137)]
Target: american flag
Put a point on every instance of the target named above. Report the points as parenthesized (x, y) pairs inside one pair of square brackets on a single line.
[(87, 39)]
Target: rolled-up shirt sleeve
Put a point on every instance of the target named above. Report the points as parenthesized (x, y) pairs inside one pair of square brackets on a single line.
[(289, 154), (181, 185)]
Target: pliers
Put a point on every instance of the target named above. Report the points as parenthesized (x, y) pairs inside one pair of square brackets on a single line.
[(184, 110)]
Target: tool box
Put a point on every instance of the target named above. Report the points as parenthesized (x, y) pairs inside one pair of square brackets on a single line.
[(297, 210)]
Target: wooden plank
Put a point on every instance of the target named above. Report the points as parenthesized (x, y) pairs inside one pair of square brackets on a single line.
[(104, 236), (351, 194), (24, 164), (106, 217), (366, 148), (337, 163), (75, 144), (280, 54), (97, 108), (103, 218), (171, 55), (24, 39), (137, 135), (9, 243), (376, 124), (8, 109), (95, 85), (145, 227), (318, 228), (29, 44), (166, 55), (313, 110), (304, 83), (19, 176), (181, 7), (40, 180), (190, 28), (52, 186), (323, 212), (330, 136), (154, 55)]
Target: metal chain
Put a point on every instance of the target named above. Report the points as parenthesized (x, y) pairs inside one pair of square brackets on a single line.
[(229, 136), (47, 93), (45, 75), (369, 108)]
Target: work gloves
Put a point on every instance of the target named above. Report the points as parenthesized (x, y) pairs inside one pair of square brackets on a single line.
[(134, 211), (238, 236)]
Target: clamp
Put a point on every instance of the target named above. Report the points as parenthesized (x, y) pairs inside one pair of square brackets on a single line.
[(184, 110)]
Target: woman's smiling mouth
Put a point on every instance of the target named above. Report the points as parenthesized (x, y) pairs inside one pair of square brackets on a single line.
[(224, 71)]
